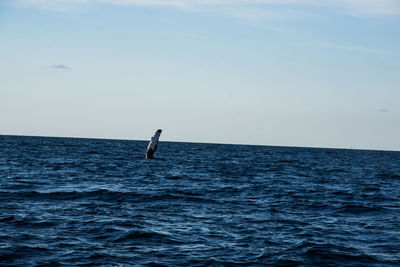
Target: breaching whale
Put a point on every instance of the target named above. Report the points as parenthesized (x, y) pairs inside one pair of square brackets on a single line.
[(152, 147)]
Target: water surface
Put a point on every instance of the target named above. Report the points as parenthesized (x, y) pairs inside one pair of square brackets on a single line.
[(68, 201)]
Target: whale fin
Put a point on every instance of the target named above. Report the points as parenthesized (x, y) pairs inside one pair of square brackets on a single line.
[(152, 147)]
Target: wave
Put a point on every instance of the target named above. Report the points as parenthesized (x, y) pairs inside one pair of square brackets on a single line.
[(100, 194), (110, 196), (142, 236), (360, 208)]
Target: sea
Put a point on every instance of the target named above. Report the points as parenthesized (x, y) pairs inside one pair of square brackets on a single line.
[(97, 202)]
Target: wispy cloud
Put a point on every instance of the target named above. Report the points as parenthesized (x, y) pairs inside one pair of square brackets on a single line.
[(378, 7), (60, 67), (263, 14), (384, 110), (341, 47)]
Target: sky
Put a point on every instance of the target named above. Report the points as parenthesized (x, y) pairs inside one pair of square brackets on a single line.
[(265, 72)]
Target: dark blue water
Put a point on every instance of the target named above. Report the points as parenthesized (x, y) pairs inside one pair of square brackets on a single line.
[(99, 202)]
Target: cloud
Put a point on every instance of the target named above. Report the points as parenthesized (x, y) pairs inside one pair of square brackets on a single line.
[(350, 48), (60, 67), (259, 14), (384, 110), (378, 7)]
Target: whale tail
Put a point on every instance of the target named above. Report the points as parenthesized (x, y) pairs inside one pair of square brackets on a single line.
[(152, 147)]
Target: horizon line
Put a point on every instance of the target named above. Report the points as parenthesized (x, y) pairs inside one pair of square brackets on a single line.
[(193, 142)]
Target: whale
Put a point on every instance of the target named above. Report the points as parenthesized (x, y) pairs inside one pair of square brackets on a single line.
[(152, 147)]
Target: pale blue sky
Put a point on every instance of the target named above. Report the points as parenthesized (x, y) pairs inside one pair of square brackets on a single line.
[(268, 72)]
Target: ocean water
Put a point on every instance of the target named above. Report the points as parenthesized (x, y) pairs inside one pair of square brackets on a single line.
[(66, 201)]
